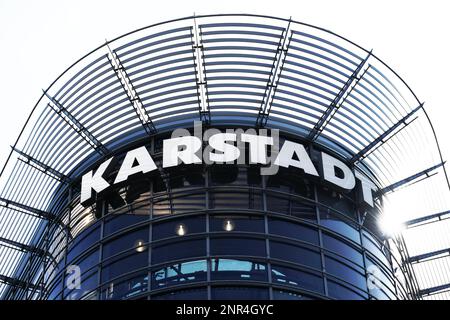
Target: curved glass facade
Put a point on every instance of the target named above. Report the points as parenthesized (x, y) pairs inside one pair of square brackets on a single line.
[(218, 231), (225, 231)]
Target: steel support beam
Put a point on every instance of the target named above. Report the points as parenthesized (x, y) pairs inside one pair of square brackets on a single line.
[(339, 99), (22, 247), (19, 207), (18, 283), (274, 79), (198, 55), (433, 290), (76, 125), (426, 219), (429, 255), (44, 168), (130, 91), (375, 144), (413, 179)]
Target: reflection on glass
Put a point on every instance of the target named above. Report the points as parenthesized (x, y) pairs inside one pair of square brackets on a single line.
[(226, 269), (140, 246), (181, 230), (179, 273), (228, 225), (126, 289)]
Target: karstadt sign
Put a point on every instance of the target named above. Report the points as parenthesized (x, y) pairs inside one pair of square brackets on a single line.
[(228, 147)]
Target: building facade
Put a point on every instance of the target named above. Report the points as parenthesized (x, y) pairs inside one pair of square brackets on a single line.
[(212, 231)]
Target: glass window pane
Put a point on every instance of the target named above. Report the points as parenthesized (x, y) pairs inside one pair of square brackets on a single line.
[(340, 292), (294, 230), (135, 239), (126, 289), (231, 269), (171, 228), (192, 294), (239, 293), (296, 254), (191, 271), (288, 295), (297, 278), (238, 246), (116, 222), (343, 249), (336, 224), (346, 273), (124, 265), (223, 222), (179, 250), (83, 242)]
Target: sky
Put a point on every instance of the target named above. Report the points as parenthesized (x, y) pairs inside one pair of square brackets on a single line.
[(40, 39)]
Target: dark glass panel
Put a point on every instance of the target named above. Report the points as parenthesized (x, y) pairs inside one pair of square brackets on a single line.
[(226, 174), (343, 249), (88, 283), (287, 295), (338, 225), (126, 289), (135, 239), (297, 278), (188, 202), (89, 261), (338, 201), (296, 254), (83, 242), (238, 246), (179, 273), (227, 199), (124, 265), (239, 293), (223, 222), (192, 294), (231, 269), (346, 273), (341, 292), (117, 222), (179, 250), (293, 230), (167, 229)]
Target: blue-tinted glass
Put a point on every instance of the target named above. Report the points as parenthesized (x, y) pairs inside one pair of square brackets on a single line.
[(220, 222), (370, 244), (297, 278), (120, 221), (239, 293), (293, 230), (238, 246), (88, 283), (124, 242), (346, 273), (343, 249), (126, 289), (296, 254), (230, 199), (191, 271), (169, 229), (89, 261), (193, 294), (231, 269), (83, 242), (179, 250), (341, 227), (337, 201), (340, 292), (124, 265), (287, 295), (55, 294)]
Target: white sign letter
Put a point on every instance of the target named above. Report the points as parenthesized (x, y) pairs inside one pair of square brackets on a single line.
[(171, 152), (95, 181), (229, 152), (286, 154), (367, 188), (142, 157), (258, 150), (329, 172)]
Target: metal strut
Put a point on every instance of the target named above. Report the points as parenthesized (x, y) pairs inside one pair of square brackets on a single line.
[(433, 290), (375, 144), (19, 207), (339, 99), (426, 219), (430, 255), (130, 91), (23, 247), (38, 165), (76, 126), (14, 282), (274, 78), (198, 55), (396, 185)]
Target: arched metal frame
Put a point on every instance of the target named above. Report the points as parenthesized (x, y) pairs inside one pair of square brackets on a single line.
[(224, 70)]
